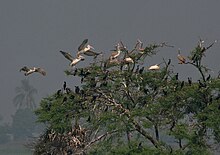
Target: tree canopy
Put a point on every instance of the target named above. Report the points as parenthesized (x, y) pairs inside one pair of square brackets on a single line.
[(123, 106)]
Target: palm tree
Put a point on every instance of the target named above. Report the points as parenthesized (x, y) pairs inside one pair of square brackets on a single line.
[(25, 95)]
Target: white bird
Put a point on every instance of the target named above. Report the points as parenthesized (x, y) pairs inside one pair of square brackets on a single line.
[(154, 67), (86, 49), (128, 60), (29, 71), (115, 52), (182, 59), (74, 61)]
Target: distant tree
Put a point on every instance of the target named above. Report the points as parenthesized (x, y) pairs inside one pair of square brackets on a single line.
[(25, 95), (4, 130), (122, 107), (23, 124)]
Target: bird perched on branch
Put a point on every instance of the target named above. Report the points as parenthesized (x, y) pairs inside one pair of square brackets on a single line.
[(74, 61), (154, 67), (128, 60), (182, 59), (29, 71), (115, 52)]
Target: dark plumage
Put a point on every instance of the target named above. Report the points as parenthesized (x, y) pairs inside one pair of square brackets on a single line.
[(190, 81), (177, 76), (208, 78), (77, 90), (182, 84), (64, 85), (64, 99), (141, 70)]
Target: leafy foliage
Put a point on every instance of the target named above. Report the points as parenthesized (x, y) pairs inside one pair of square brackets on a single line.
[(123, 108)]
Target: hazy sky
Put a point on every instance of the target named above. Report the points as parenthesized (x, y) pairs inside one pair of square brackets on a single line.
[(32, 32)]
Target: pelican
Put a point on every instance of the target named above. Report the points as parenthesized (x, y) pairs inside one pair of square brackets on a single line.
[(182, 59), (73, 61), (29, 71), (154, 67), (91, 53), (115, 52), (128, 60), (86, 49)]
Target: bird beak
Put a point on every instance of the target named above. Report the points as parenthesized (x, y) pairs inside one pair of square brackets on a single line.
[(92, 47)]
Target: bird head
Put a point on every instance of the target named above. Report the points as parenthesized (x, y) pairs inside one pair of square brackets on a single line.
[(90, 47)]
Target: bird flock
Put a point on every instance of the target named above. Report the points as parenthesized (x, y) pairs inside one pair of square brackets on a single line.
[(85, 49)]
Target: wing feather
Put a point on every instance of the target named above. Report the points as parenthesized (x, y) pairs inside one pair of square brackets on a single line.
[(67, 55), (83, 44), (41, 71)]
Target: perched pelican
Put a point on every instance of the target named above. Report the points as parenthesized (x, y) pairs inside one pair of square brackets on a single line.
[(115, 52), (182, 59), (154, 67), (73, 61), (128, 60), (29, 71), (86, 49)]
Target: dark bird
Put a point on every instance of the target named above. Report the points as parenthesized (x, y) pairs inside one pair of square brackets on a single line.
[(89, 119), (106, 109), (68, 90), (77, 90), (58, 93), (72, 97), (164, 92), (177, 76), (64, 99), (106, 75), (137, 69), (75, 72), (190, 81), (201, 84), (64, 85), (29, 71), (169, 61), (141, 70), (208, 78), (182, 84), (74, 61)]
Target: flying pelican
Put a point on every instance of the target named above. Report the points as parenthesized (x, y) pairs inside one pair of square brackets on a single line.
[(182, 59), (73, 61), (115, 52), (29, 71), (154, 67), (86, 49), (91, 53)]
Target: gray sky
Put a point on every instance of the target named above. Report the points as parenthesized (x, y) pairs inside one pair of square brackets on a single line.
[(33, 32)]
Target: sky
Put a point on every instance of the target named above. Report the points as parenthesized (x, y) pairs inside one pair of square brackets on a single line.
[(33, 32)]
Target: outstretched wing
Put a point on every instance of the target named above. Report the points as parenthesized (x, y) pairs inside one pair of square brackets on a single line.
[(42, 71), (83, 44), (67, 55), (25, 69)]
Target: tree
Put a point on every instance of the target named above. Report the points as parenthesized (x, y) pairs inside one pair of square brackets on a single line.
[(25, 95), (123, 108)]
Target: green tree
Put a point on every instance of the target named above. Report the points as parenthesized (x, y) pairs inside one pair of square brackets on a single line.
[(124, 108), (25, 95)]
